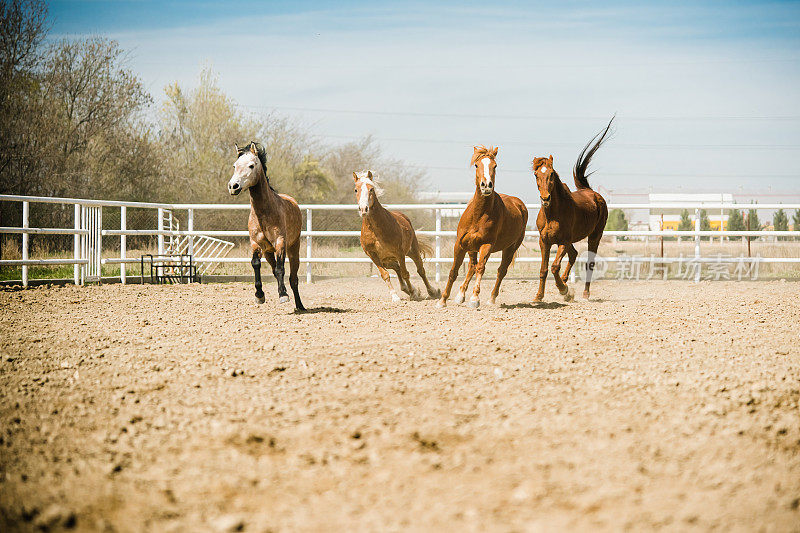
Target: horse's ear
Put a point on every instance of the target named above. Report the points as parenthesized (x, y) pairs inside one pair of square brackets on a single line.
[(369, 174), (355, 176), (475, 149), (253, 148), (551, 158), (494, 152), (236, 145)]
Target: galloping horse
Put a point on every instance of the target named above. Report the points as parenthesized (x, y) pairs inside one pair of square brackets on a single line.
[(491, 222), (567, 217), (274, 223), (387, 237)]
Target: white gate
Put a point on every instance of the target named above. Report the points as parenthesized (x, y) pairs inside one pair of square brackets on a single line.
[(91, 242)]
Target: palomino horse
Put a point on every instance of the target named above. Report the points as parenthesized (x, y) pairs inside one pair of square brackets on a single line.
[(567, 217), (387, 237), (491, 222), (274, 223)]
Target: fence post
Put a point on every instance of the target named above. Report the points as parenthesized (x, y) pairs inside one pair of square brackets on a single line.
[(438, 245), (160, 229), (25, 236), (123, 242), (190, 226), (76, 246), (308, 245), (697, 242)]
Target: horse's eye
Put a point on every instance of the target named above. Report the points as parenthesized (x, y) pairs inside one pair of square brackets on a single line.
[(252, 166), (476, 166)]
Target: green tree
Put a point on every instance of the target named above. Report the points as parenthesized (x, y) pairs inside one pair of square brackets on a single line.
[(617, 221), (311, 181), (705, 223), (686, 222), (796, 221), (780, 222), (735, 220), (752, 222)]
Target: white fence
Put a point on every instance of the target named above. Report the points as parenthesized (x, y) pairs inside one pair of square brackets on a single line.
[(88, 233)]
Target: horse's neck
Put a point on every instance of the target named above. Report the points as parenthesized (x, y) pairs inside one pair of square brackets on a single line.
[(378, 218), (561, 199), (263, 199), (483, 204)]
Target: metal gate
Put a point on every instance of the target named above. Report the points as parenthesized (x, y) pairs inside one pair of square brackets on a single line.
[(91, 242)]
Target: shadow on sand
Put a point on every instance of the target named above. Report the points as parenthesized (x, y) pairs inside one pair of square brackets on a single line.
[(313, 310), (535, 305)]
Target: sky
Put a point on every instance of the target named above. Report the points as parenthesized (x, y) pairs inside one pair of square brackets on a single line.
[(706, 94)]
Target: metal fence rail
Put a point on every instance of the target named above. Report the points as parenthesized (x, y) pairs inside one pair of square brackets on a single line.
[(88, 233)]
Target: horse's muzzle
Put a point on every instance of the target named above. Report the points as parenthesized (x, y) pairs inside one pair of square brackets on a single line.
[(545, 201)]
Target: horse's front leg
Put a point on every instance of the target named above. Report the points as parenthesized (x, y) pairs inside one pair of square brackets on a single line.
[(556, 269), (458, 260), (545, 249), (255, 261), (483, 256), (280, 270)]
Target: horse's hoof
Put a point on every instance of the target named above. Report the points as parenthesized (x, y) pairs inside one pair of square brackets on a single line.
[(435, 294), (586, 295), (459, 299), (283, 300), (260, 300), (492, 301), (474, 303), (569, 296), (441, 304), (395, 298)]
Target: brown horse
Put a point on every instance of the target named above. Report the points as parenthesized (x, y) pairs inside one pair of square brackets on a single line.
[(491, 222), (274, 224), (388, 237), (567, 217)]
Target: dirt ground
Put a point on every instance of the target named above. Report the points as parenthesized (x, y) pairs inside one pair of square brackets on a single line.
[(190, 408)]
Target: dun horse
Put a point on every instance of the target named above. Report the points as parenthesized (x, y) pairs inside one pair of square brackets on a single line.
[(567, 217), (274, 223), (491, 222), (387, 237)]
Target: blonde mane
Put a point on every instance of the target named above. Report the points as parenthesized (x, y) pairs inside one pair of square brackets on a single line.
[(482, 152), (362, 176)]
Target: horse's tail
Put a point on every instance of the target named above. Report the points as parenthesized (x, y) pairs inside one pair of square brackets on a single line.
[(582, 164), (425, 249)]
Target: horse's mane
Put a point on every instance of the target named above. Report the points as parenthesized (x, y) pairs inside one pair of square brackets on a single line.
[(482, 152), (261, 152)]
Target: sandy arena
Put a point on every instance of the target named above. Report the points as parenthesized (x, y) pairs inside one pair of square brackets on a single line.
[(153, 408)]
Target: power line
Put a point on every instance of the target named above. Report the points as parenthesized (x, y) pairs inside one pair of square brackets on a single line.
[(544, 143), (525, 117)]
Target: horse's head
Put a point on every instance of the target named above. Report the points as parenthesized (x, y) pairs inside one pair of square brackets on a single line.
[(484, 160), (366, 190), (545, 177), (248, 168)]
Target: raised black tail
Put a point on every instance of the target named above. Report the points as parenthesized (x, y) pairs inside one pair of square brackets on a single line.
[(582, 164)]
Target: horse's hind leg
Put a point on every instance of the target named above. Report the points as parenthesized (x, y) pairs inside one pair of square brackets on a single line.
[(473, 263), (594, 242), (294, 266), (385, 276), (572, 255), (405, 278), (417, 258), (483, 256), (555, 268), (508, 256), (255, 261), (280, 270)]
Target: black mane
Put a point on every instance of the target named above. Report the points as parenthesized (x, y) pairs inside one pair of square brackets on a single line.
[(262, 156)]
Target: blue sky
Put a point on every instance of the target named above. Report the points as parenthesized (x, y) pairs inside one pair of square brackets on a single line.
[(706, 93)]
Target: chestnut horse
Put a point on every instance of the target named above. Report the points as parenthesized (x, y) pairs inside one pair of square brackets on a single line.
[(567, 217), (387, 237), (491, 222), (274, 223)]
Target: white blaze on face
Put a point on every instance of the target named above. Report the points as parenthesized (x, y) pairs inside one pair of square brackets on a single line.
[(363, 198), (543, 168), (487, 175)]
